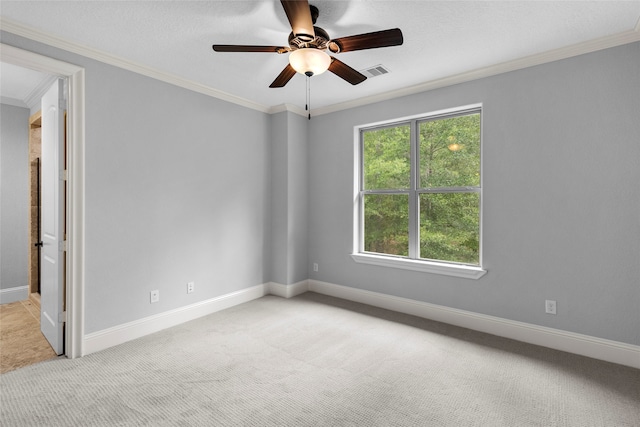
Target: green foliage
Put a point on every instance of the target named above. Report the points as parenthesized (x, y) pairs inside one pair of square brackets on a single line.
[(450, 152), (387, 165), (387, 158), (387, 224), (449, 227), (449, 156)]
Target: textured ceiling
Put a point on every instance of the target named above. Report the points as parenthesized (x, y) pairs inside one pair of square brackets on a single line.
[(20, 86), (442, 38)]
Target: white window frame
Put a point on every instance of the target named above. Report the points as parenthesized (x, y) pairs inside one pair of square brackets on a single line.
[(412, 262)]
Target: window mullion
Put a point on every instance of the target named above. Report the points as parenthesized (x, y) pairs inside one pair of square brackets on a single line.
[(360, 221), (414, 208), (441, 190)]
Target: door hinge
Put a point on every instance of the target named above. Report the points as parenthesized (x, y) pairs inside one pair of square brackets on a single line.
[(62, 104), (63, 175), (62, 246), (62, 317)]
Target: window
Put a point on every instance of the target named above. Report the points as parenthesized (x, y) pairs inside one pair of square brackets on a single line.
[(419, 193)]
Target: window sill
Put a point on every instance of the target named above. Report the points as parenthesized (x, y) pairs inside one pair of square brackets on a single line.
[(456, 270)]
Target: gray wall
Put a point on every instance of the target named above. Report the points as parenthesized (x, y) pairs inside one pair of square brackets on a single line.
[(561, 196), (299, 198), (289, 138), (177, 190), (279, 197), (183, 187), (14, 196)]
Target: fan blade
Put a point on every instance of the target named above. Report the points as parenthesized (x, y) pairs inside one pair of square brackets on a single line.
[(299, 16), (284, 77), (373, 40), (240, 48), (345, 72)]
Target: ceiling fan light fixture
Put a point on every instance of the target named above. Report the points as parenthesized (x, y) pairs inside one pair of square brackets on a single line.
[(309, 61)]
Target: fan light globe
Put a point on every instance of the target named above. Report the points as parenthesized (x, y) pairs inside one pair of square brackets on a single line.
[(309, 60)]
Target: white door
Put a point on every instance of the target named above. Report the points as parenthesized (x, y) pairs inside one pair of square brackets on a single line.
[(52, 219)]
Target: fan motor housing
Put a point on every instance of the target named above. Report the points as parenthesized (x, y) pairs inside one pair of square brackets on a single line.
[(301, 41)]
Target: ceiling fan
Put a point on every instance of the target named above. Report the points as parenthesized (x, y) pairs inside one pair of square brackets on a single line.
[(308, 45)]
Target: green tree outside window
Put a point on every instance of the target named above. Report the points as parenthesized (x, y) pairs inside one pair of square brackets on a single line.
[(435, 161)]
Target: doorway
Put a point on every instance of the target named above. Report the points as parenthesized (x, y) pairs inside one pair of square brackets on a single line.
[(35, 169), (73, 315), (27, 333)]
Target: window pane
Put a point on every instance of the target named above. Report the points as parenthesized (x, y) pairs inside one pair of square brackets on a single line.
[(449, 227), (450, 152), (386, 223), (386, 155)]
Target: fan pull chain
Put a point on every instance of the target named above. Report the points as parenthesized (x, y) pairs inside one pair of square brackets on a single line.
[(307, 106)]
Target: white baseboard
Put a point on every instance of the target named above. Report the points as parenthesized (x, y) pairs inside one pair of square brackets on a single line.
[(110, 337), (585, 345), (17, 293), (288, 291)]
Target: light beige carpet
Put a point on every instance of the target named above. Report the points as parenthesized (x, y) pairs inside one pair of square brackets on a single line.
[(318, 361)]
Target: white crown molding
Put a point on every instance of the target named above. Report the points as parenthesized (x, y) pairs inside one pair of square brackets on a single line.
[(626, 37), (288, 107), (13, 102), (585, 345), (517, 64), (36, 94), (61, 43)]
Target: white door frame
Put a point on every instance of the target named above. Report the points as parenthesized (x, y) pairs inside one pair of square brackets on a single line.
[(74, 328)]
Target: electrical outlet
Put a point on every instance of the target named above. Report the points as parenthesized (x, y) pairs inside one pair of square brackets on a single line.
[(191, 287), (155, 296), (315, 266), (550, 306)]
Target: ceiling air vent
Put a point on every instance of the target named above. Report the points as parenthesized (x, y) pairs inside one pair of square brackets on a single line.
[(375, 71)]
